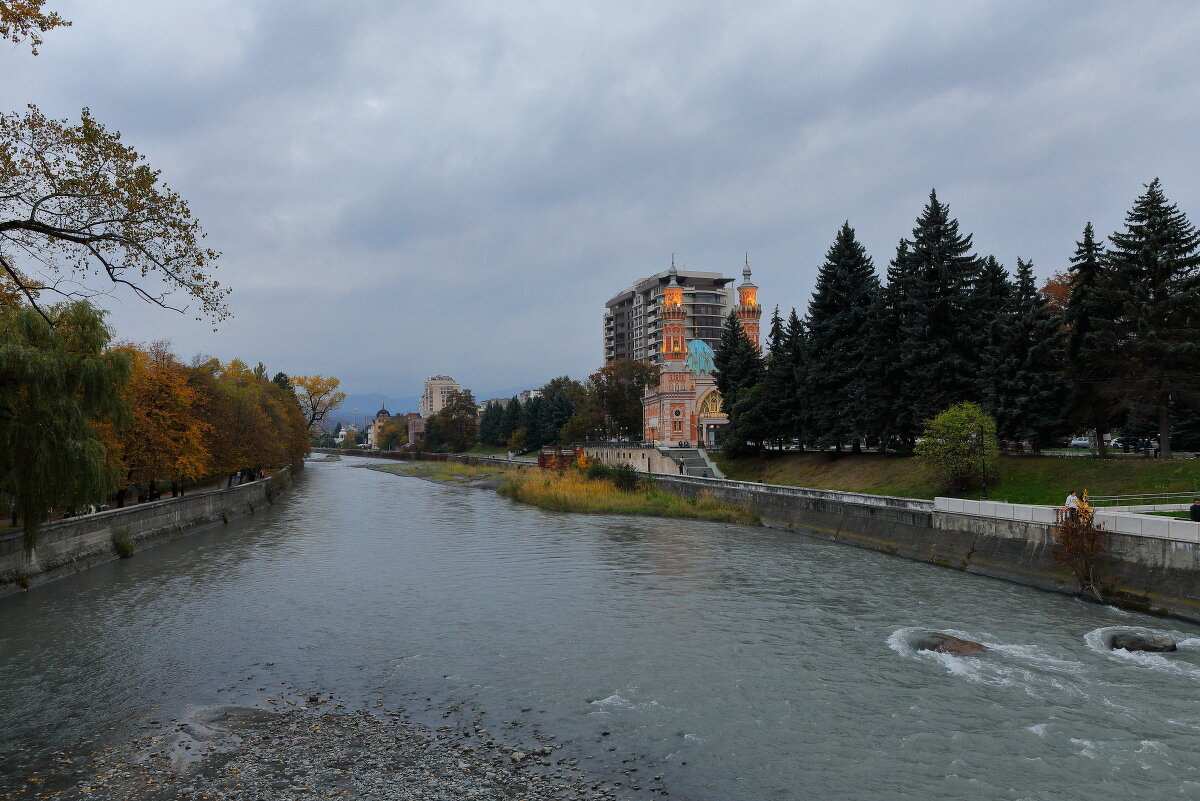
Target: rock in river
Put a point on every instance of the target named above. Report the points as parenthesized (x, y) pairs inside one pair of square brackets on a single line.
[(1139, 641), (946, 644)]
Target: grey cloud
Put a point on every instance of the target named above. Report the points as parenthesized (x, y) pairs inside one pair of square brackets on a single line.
[(409, 189)]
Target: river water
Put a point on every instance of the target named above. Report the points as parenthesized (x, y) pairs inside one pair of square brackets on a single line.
[(738, 662)]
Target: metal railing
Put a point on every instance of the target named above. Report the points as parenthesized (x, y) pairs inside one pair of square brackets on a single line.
[(1144, 499)]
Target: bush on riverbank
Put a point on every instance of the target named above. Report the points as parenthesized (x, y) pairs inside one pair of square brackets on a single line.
[(574, 491)]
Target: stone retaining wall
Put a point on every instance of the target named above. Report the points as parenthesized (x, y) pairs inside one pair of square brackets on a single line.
[(1146, 573), (77, 543)]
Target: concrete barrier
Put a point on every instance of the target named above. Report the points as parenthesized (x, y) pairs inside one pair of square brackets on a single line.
[(1155, 568), (77, 543)]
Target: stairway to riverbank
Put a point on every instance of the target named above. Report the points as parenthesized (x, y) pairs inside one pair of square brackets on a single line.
[(695, 462)]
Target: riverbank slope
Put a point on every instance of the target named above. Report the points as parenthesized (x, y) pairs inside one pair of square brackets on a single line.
[(1022, 479)]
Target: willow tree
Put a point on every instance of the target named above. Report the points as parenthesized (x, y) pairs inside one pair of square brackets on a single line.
[(57, 385), (75, 202)]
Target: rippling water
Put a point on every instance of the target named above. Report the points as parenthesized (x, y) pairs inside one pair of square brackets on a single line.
[(740, 663)]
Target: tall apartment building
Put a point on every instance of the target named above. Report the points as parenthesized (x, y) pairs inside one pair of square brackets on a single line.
[(633, 323), (433, 397)]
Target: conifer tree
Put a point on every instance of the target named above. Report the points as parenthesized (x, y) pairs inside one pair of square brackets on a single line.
[(489, 423), (1151, 294), (793, 410), (926, 337), (1085, 364), (531, 421), (839, 316), (993, 299), (511, 420), (1024, 391), (892, 421), (939, 334), (779, 382), (557, 409), (738, 369)]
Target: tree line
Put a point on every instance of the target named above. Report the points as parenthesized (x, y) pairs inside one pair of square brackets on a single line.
[(1111, 343), (607, 404), (84, 420)]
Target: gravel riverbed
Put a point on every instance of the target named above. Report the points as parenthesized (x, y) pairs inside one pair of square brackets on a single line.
[(313, 750)]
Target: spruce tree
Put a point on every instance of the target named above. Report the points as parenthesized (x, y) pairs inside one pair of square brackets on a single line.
[(793, 410), (1152, 296), (531, 421), (738, 369), (779, 383), (489, 423), (892, 420), (557, 409), (939, 334), (1024, 390), (1086, 365), (994, 302), (839, 317), (511, 420)]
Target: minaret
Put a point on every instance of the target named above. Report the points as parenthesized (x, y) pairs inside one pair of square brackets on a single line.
[(674, 317), (748, 310)]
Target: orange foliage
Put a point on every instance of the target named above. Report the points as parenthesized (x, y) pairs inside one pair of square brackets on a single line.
[(1057, 291), (167, 437), (24, 19)]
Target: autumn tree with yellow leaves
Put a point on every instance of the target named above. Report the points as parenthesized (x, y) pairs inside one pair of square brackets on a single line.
[(167, 438), (318, 397)]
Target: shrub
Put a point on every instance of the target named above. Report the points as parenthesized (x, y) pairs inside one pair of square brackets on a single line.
[(122, 542), (1078, 545), (625, 478), (959, 447)]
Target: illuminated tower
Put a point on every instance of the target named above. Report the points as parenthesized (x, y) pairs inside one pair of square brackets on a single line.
[(674, 318), (748, 311)]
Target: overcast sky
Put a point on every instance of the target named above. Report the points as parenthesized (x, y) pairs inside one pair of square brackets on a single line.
[(404, 189)]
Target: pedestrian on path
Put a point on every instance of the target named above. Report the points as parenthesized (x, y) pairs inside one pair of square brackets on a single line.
[(1194, 510), (1071, 505)]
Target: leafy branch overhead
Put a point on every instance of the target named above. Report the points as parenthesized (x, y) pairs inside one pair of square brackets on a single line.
[(24, 19), (75, 203)]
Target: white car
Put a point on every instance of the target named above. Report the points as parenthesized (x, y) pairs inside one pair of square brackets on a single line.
[(1081, 442)]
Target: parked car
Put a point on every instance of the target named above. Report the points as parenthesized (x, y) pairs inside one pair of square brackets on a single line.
[(1081, 442)]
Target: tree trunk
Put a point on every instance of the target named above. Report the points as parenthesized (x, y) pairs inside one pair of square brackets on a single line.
[(1164, 431)]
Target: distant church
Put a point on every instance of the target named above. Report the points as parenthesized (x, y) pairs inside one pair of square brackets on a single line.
[(686, 406)]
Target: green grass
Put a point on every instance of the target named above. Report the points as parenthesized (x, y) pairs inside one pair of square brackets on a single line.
[(1022, 479)]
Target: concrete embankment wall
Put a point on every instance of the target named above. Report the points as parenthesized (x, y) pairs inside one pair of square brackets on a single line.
[(77, 543), (1147, 573)]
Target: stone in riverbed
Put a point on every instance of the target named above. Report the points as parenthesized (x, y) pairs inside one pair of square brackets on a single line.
[(1137, 641), (947, 644)]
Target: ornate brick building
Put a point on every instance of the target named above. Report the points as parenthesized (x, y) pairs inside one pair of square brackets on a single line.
[(685, 407)]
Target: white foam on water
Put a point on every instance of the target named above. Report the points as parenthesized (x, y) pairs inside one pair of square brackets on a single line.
[(622, 700), (1089, 747), (614, 700), (1097, 640), (1038, 728), (1021, 666)]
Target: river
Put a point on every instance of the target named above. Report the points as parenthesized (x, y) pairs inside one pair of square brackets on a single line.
[(737, 662)]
